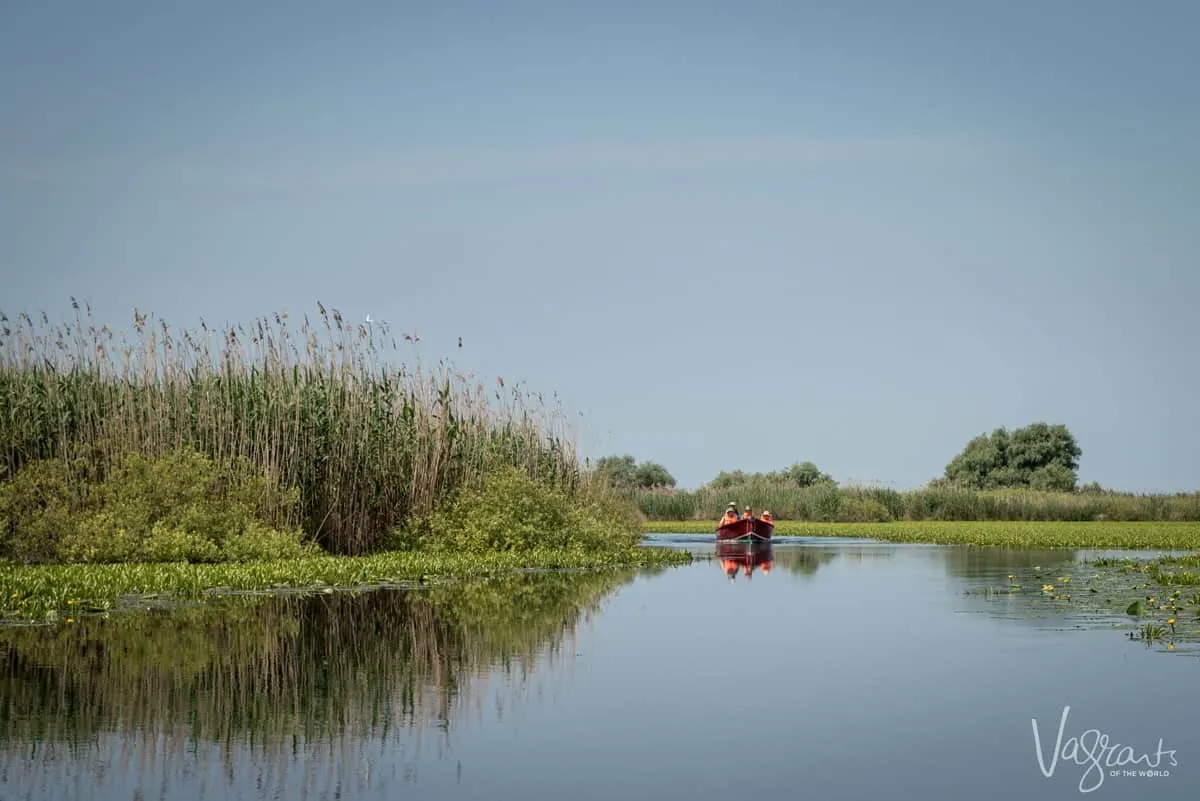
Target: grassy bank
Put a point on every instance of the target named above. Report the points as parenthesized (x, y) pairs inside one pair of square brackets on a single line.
[(830, 503), (65, 593), (1035, 534)]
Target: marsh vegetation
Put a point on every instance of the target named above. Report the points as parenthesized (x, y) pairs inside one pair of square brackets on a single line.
[(316, 433)]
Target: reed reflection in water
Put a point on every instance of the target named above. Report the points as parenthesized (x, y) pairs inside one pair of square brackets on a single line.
[(241, 694)]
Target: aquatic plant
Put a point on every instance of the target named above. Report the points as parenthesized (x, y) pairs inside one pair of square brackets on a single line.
[(1151, 632), (49, 593)]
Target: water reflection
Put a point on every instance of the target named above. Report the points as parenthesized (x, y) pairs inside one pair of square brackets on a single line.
[(744, 556), (276, 674), (972, 562), (882, 666)]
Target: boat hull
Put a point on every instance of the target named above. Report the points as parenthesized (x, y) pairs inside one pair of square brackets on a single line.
[(745, 530)]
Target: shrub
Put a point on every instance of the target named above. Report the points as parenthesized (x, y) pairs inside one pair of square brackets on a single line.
[(862, 510), (509, 511), (183, 507)]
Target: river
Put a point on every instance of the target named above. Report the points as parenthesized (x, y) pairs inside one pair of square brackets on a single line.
[(825, 669)]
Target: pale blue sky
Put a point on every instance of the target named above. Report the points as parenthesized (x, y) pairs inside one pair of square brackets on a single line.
[(732, 234)]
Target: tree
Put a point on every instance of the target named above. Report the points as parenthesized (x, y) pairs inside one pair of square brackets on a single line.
[(623, 472), (726, 479), (801, 474), (653, 474), (1038, 456), (806, 474)]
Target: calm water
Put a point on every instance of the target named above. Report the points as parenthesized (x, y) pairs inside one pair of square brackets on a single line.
[(837, 670)]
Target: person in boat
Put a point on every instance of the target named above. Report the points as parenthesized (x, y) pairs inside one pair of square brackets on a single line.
[(731, 515), (766, 517), (749, 515)]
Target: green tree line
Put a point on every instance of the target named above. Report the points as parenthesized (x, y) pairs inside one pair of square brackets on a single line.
[(1028, 473)]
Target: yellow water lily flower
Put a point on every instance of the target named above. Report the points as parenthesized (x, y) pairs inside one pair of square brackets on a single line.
[(1171, 622), (1047, 588)]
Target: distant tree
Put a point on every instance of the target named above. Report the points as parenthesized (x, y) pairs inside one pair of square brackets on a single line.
[(618, 471), (801, 474), (729, 479), (1038, 456), (623, 472), (653, 474), (806, 474)]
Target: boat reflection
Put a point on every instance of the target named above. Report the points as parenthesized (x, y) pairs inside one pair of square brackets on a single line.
[(745, 557)]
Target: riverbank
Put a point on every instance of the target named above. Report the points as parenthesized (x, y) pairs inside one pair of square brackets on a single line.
[(829, 503), (63, 593), (1014, 534)]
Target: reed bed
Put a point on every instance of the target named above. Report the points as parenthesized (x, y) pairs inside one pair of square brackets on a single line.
[(328, 407), (830, 503)]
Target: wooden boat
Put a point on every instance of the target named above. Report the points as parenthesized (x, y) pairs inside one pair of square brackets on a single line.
[(754, 529), (735, 531)]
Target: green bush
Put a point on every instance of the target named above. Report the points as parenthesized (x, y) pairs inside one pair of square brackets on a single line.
[(862, 510), (38, 506), (510, 511), (183, 507)]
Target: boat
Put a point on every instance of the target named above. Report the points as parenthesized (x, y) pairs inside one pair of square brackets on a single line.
[(753, 529)]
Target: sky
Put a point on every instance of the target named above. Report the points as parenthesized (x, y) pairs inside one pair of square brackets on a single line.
[(731, 235)]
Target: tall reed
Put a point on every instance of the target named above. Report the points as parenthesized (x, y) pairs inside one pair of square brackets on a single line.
[(328, 407)]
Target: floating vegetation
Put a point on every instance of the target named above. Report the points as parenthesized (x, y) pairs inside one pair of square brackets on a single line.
[(56, 593)]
